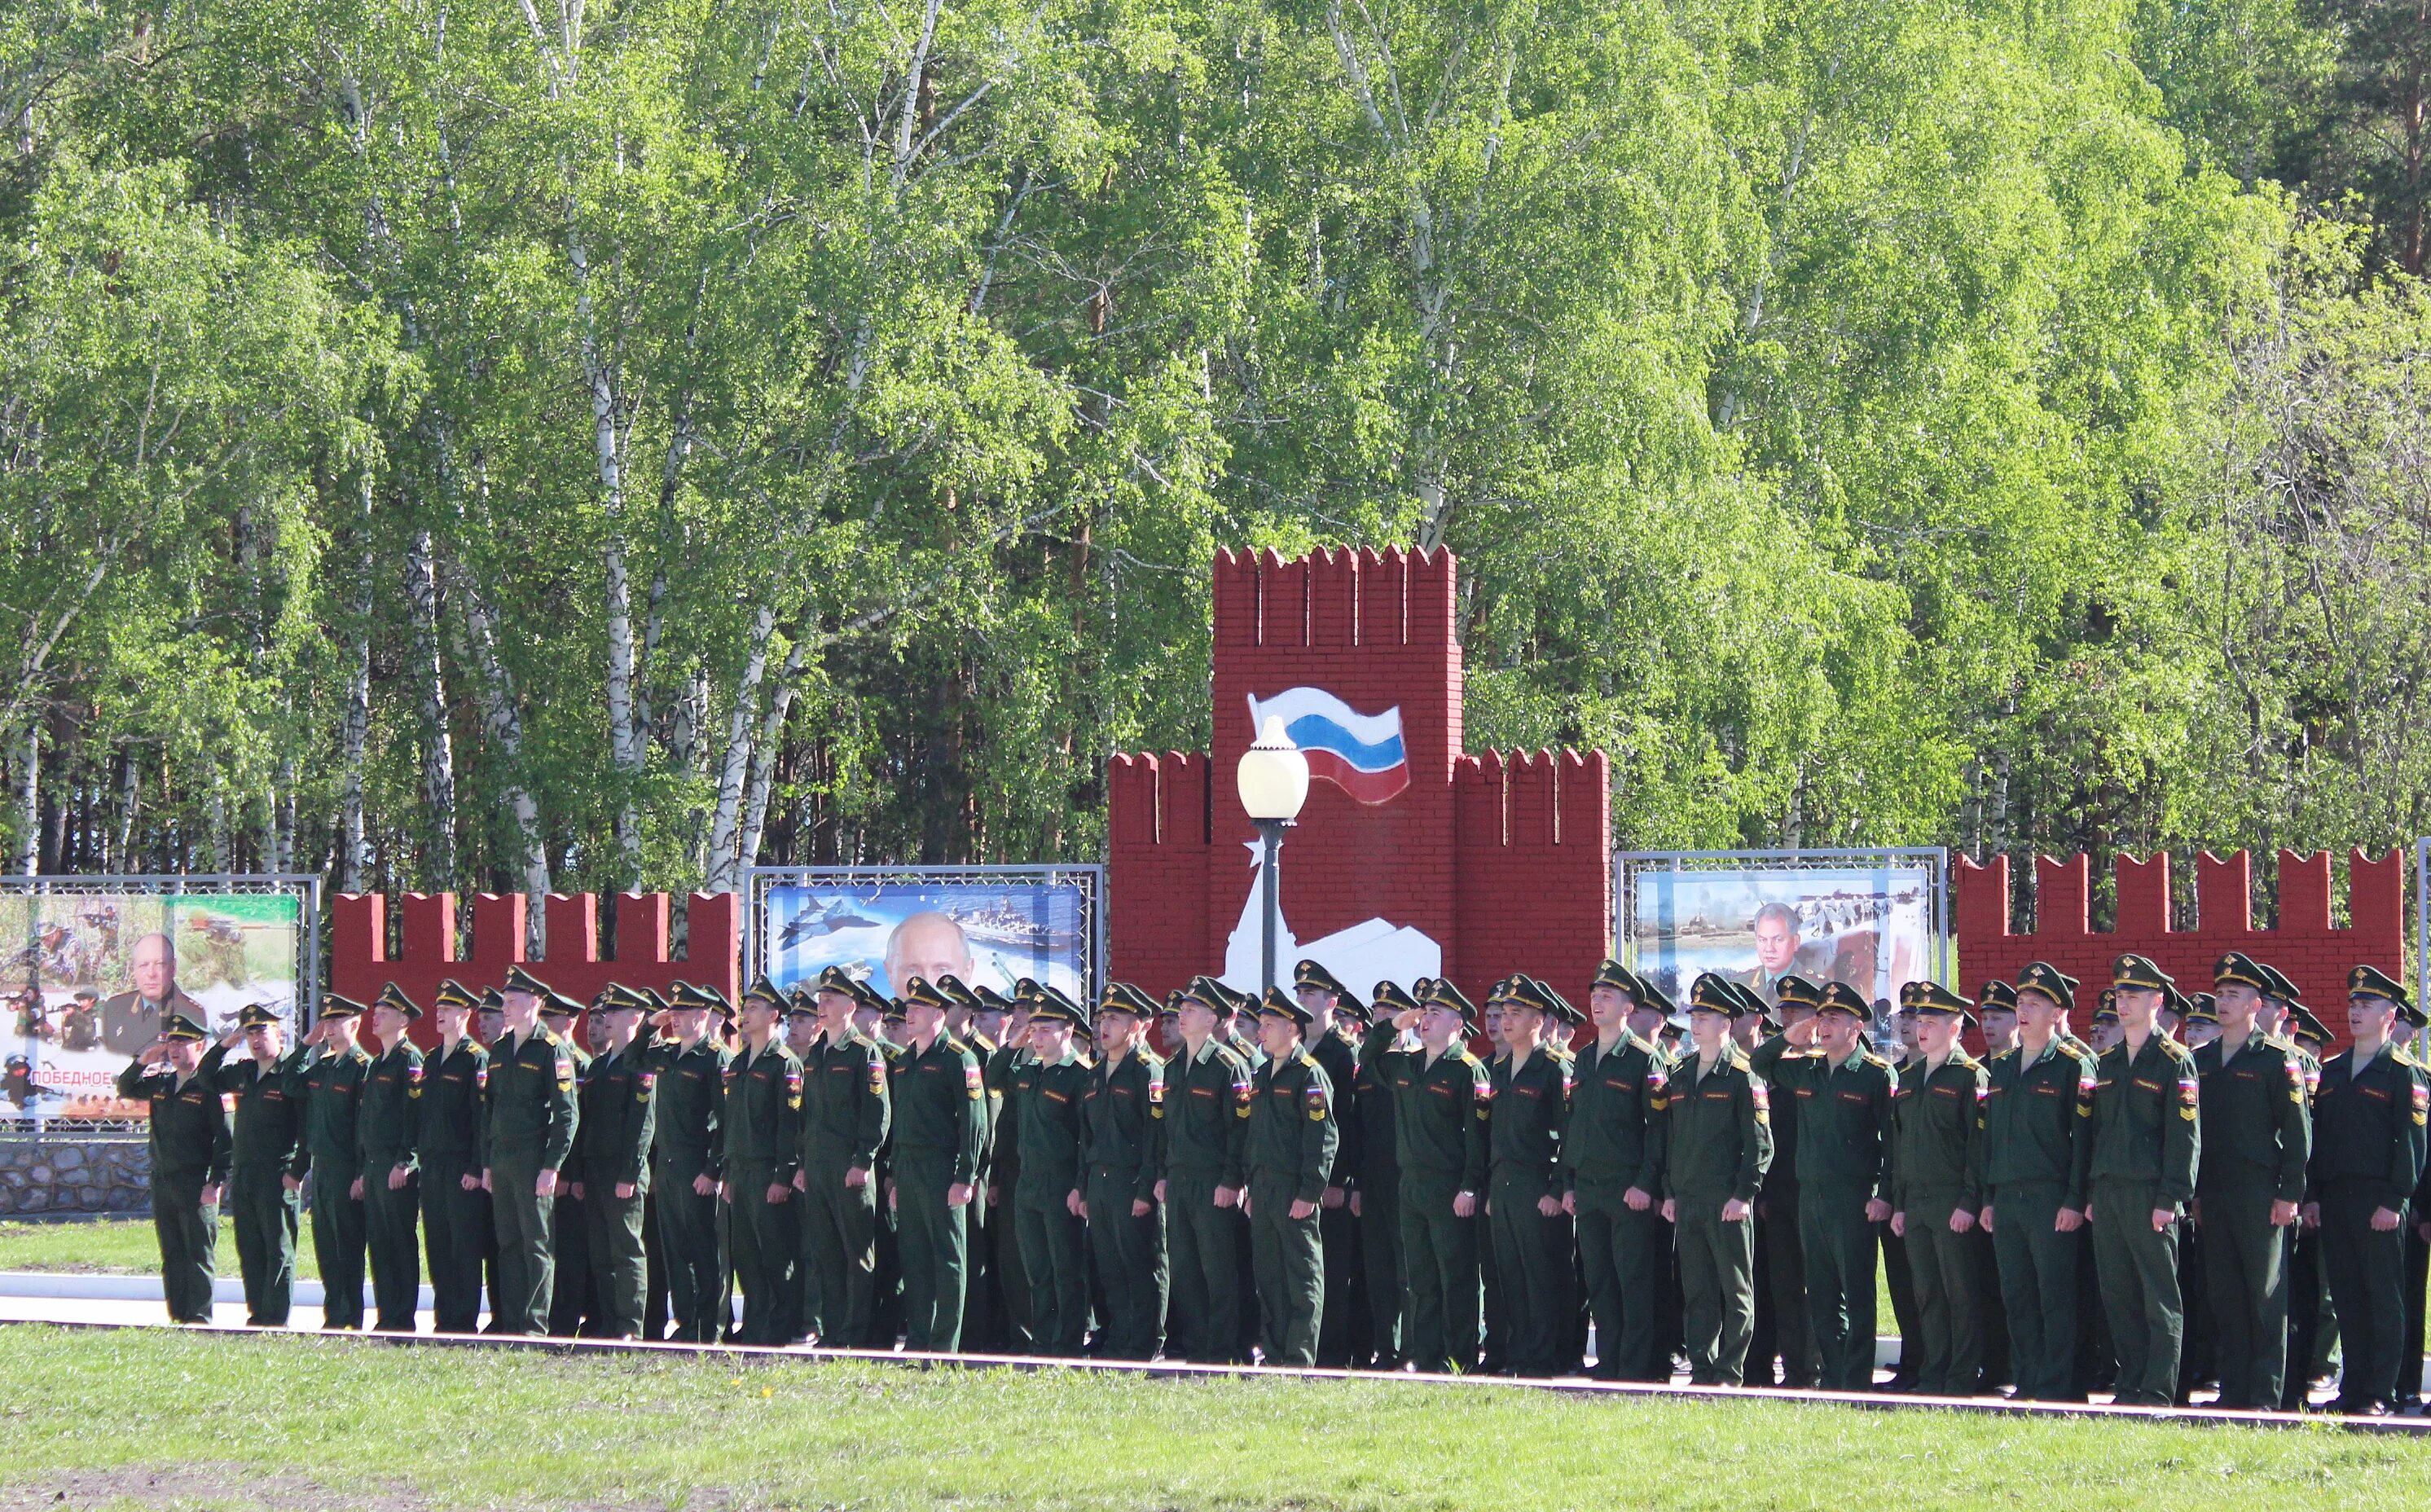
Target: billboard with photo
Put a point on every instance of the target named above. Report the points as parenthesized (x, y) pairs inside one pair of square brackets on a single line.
[(1872, 920), (90, 967), (989, 926)]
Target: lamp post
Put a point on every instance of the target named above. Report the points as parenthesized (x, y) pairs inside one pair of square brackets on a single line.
[(1273, 781)]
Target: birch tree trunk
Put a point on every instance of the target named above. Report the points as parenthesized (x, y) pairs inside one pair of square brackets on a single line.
[(438, 754), (763, 760), (477, 641), (29, 794), (355, 730), (735, 767)]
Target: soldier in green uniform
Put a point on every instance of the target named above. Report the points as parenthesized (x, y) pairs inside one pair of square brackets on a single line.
[(759, 1122), (455, 1212), (190, 1151), (847, 1109), (618, 1105), (1842, 1090), (2307, 1292), (331, 1079), (982, 1331), (264, 1178), (1612, 1177), (1936, 1116), (2367, 1154), (2256, 1128), (686, 1161), (1530, 1100), (2037, 1151), (1124, 1111), (1292, 1144), (390, 1186), (572, 1303), (1338, 1330), (1781, 1331), (1718, 1148), (2146, 1146), (1049, 1207), (1004, 1167), (940, 1118), (1376, 1195), (1442, 1097), (531, 1130), (1206, 1153)]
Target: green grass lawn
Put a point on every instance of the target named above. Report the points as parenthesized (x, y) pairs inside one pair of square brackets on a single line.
[(115, 1247), (156, 1418)]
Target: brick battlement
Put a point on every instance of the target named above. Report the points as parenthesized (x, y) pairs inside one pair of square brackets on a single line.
[(360, 962), (2315, 954)]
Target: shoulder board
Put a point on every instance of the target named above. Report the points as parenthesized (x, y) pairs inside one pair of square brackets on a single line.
[(1964, 1061), (1872, 1059), (1469, 1058), (546, 1036), (2402, 1055), (1304, 1058), (1739, 1060), (2009, 1054)]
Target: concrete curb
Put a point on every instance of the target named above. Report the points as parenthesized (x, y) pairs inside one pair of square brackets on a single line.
[(81, 1286)]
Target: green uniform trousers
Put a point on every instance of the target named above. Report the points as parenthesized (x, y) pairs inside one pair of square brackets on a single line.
[(2139, 1289), (620, 1281), (190, 1238), (1055, 1257), (1950, 1360), (2245, 1266), (2366, 1269), (1379, 1254), (1529, 1265), (765, 1237), (1439, 1263), (692, 1245), (337, 1245), (570, 1306), (1289, 1258), (934, 1239), (454, 1225), (2037, 1268), (394, 1244), (1206, 1268), (1004, 1240), (1716, 1290), (1130, 1252), (526, 1258), (263, 1214), (1621, 1253), (840, 1253), (1837, 1244)]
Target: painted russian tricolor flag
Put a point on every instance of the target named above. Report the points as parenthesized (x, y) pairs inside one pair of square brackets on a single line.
[(1359, 753)]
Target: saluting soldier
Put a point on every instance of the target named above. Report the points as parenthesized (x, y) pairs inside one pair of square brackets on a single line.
[(265, 1177), (190, 1151), (1206, 1156), (1293, 1139), (846, 1107), (532, 1120), (1125, 1112), (1719, 1146), (1612, 1179), (1531, 1098), (332, 1079), (390, 1184), (619, 1117), (2367, 1154), (2146, 1146), (759, 1122), (686, 1161), (1322, 994), (1442, 1098), (1842, 1091), (1936, 1116), (455, 1211), (1049, 1206), (940, 1118), (2036, 1156), (2257, 1135)]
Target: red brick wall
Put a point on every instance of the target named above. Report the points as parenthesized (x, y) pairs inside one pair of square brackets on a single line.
[(2315, 956)]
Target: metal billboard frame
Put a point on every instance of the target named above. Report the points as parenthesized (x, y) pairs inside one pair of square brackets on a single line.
[(1090, 877), (1626, 865)]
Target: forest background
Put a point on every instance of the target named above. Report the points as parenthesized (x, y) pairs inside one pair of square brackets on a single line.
[(532, 445)]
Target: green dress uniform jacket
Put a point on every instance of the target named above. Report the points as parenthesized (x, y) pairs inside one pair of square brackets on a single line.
[(2367, 1154), (2257, 1133), (332, 1091), (1337, 1232), (1441, 1132), (1293, 1138), (1045, 1103), (1206, 1147), (269, 1131), (2034, 1159), (760, 1123), (1614, 1145), (455, 1222), (533, 1117), (1378, 1182), (391, 1128), (1936, 1116), (847, 1109), (2146, 1143), (940, 1111), (1844, 1133), (190, 1148), (684, 1147), (1717, 1146), (1124, 1109), (619, 1119), (1530, 1102)]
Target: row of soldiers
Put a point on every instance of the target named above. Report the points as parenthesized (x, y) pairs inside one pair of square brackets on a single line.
[(1356, 1186)]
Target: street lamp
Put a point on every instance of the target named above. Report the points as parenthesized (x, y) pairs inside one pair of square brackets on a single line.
[(1273, 781)]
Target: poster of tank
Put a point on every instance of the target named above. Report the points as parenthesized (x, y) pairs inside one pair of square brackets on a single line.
[(1871, 925), (93, 974), (988, 931)]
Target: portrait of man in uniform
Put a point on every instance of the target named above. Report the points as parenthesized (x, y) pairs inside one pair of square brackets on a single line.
[(132, 1019)]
